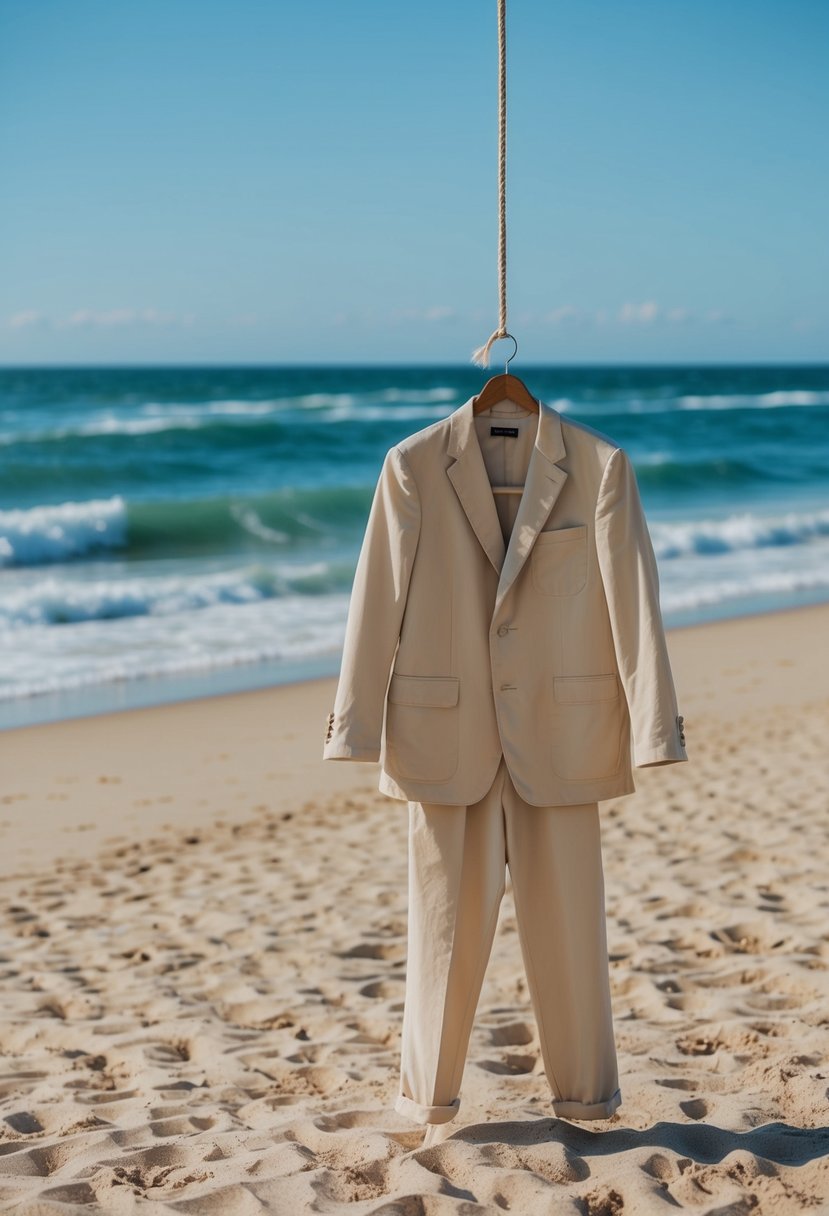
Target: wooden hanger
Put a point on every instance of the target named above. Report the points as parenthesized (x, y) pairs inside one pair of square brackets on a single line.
[(501, 387), (509, 387)]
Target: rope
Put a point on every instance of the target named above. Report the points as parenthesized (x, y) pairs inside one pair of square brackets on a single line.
[(481, 355)]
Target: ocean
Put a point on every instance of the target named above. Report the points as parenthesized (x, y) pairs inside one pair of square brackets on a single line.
[(176, 532)]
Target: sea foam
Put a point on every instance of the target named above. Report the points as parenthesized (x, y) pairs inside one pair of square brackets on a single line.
[(65, 530), (740, 531)]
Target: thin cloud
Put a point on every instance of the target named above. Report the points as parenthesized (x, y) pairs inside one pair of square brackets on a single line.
[(85, 318), (25, 319), (639, 314), (567, 312), (115, 317), (429, 315), (632, 313), (433, 312)]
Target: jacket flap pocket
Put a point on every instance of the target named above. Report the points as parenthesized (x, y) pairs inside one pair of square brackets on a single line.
[(424, 690), (578, 689)]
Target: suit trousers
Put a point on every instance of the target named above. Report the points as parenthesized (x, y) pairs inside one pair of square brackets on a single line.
[(457, 877)]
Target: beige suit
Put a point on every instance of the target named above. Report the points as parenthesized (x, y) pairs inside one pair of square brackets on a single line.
[(483, 625), (502, 656)]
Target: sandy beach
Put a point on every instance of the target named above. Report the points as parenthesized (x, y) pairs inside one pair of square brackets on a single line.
[(204, 955)]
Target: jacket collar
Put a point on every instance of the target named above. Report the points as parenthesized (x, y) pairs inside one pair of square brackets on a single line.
[(542, 487)]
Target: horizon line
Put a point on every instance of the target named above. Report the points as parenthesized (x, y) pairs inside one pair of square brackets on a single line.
[(448, 366)]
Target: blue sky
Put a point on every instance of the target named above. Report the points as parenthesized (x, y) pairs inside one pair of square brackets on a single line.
[(204, 181)]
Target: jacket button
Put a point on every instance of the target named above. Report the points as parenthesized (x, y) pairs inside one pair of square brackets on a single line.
[(503, 630)]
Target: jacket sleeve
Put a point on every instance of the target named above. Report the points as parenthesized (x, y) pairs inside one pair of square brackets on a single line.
[(375, 614), (631, 582)]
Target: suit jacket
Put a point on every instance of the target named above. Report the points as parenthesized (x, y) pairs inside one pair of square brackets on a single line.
[(466, 640)]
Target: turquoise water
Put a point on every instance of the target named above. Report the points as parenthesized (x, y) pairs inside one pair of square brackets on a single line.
[(181, 531)]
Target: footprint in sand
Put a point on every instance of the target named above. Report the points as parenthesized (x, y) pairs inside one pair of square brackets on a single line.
[(512, 1034)]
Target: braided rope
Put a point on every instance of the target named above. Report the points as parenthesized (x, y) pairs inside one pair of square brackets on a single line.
[(481, 354)]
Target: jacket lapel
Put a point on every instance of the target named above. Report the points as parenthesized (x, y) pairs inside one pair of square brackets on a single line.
[(469, 477), (542, 487)]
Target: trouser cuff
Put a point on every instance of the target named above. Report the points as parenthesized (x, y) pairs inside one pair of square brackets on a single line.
[(425, 1114), (588, 1110)]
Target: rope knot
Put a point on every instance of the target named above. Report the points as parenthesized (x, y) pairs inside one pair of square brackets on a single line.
[(481, 355)]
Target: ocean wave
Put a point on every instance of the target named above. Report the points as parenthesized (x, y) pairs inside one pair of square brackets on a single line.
[(268, 523), (222, 636), (620, 405), (112, 425), (71, 531), (67, 530), (772, 582), (155, 418), (758, 401), (672, 472), (313, 401), (239, 419), (736, 532), (53, 601)]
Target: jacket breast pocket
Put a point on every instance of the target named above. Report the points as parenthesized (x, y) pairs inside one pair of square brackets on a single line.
[(422, 726), (587, 726), (559, 560)]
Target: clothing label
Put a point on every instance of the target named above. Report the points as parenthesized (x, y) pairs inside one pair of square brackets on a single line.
[(504, 430)]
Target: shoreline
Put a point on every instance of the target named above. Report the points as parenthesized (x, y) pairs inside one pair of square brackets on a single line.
[(139, 770), (143, 693)]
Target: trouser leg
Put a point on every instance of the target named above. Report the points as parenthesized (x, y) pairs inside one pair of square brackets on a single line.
[(555, 864), (457, 877)]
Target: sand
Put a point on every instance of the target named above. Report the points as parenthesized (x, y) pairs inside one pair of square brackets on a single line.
[(203, 960)]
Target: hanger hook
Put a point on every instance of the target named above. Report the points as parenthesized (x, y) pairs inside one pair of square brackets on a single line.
[(514, 353)]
